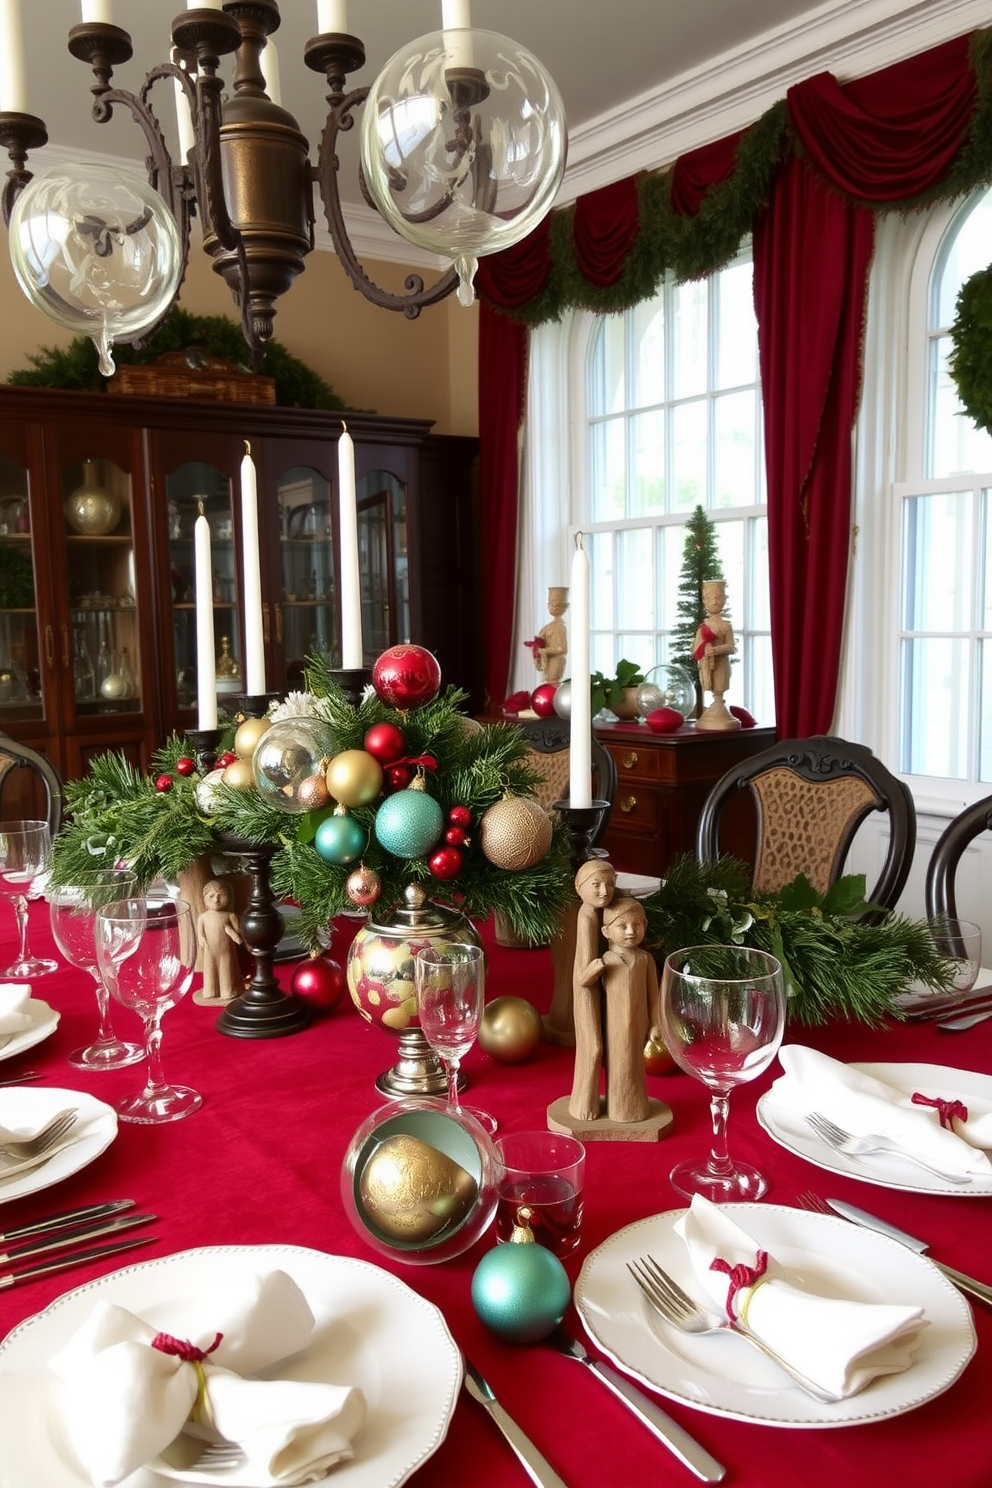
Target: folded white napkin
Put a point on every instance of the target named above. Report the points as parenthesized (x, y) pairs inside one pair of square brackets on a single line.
[(14, 999), (841, 1346), (864, 1106), (123, 1401), (10, 1166)]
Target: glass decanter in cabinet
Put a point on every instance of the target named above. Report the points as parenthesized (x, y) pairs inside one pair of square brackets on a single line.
[(102, 648), (191, 489), (306, 622), (20, 667)]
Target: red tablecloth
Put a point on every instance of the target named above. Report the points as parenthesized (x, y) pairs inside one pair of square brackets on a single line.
[(260, 1163)]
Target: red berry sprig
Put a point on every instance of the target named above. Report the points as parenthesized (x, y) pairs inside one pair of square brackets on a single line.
[(185, 766), (164, 783)]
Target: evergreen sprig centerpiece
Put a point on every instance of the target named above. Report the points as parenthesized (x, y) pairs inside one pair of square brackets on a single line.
[(357, 803)]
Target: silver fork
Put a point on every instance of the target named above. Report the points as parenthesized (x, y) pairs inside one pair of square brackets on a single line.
[(218, 1455), (857, 1147), (53, 1131), (676, 1306)]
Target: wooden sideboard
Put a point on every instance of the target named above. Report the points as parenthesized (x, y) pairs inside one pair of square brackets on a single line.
[(662, 782)]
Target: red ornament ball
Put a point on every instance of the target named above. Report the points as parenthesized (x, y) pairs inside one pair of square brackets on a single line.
[(406, 676), (397, 777), (744, 718), (385, 742), (227, 758), (445, 863), (460, 816), (664, 720), (185, 766), (163, 783), (542, 700), (319, 983), (455, 837)]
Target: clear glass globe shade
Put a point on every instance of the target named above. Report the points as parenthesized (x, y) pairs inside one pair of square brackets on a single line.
[(463, 145), (669, 686), (97, 250)]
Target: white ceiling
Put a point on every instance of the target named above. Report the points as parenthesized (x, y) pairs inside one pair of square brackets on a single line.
[(640, 79)]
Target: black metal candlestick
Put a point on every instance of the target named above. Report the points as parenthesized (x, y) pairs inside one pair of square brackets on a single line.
[(352, 682), (204, 743), (263, 1010)]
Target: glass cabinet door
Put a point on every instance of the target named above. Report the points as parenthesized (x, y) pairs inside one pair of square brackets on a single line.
[(307, 619), (191, 488), (20, 667), (101, 648), (383, 559)]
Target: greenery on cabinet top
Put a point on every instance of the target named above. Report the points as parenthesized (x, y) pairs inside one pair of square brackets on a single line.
[(74, 367)]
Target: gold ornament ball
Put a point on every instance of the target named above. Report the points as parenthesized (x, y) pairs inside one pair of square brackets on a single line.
[(312, 793), (515, 833), (354, 778), (511, 1030), (412, 1192), (248, 734), (239, 774)]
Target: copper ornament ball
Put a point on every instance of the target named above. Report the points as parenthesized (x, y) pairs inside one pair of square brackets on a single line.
[(363, 887), (312, 793), (511, 1030)]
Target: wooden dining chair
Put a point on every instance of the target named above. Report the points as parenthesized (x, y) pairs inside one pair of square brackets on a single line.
[(947, 853), (810, 798), (36, 795)]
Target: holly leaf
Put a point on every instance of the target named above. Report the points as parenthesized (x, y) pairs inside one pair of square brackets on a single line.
[(846, 897), (799, 894)]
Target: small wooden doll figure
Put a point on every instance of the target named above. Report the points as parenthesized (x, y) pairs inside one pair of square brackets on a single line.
[(219, 934), (714, 646), (550, 646), (595, 884), (633, 1008)]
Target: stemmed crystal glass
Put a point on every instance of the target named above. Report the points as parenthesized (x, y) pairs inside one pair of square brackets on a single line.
[(723, 1016), (73, 910), (24, 850), (147, 961), (451, 982), (960, 942)]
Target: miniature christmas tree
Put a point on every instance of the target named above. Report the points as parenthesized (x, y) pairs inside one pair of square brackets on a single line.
[(700, 561)]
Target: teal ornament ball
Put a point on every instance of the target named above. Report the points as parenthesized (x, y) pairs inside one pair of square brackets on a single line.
[(409, 823), (340, 840), (520, 1291)]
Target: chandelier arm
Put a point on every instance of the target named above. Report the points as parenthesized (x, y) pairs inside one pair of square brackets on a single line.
[(19, 133), (340, 118), (210, 178)]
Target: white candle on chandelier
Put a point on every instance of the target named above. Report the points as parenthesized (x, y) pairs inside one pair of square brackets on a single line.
[(456, 15), (184, 118), (580, 707), (254, 644), (332, 15), (13, 86), (206, 665), (352, 646), (99, 11), (270, 70)]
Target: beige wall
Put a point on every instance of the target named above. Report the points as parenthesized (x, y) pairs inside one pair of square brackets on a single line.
[(374, 359)]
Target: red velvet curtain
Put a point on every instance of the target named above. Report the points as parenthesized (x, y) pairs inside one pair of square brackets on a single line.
[(877, 141)]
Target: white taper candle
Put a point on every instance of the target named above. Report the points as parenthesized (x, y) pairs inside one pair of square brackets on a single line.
[(184, 118), (13, 84), (206, 663), (270, 71), (332, 15), (580, 707), (99, 11), (254, 644), (352, 646)]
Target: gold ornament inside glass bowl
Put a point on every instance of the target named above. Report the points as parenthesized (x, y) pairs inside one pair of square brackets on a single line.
[(418, 1184), (91, 510)]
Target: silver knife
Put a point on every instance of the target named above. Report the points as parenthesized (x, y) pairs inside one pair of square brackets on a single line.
[(65, 1219), (943, 1004), (536, 1466), (669, 1432), (64, 1238), (979, 1289), (78, 1258)]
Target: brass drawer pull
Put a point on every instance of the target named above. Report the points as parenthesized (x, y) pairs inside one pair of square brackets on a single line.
[(629, 803), (629, 760)]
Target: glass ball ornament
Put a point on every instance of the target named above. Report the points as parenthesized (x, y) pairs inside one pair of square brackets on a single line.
[(288, 755), (97, 249), (668, 686), (418, 1184), (563, 700), (463, 145)]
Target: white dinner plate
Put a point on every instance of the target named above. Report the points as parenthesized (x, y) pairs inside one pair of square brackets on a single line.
[(726, 1376), (788, 1129), (371, 1330), (44, 1021), (31, 1108)]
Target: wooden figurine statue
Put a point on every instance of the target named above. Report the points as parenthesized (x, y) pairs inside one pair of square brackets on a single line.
[(714, 646), (595, 884), (580, 924), (550, 646), (219, 934)]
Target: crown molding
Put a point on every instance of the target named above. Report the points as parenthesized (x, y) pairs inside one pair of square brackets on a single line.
[(730, 91)]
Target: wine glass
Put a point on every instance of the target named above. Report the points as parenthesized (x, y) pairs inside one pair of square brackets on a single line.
[(147, 962), (73, 910), (24, 850), (959, 942), (451, 982), (723, 1016)]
